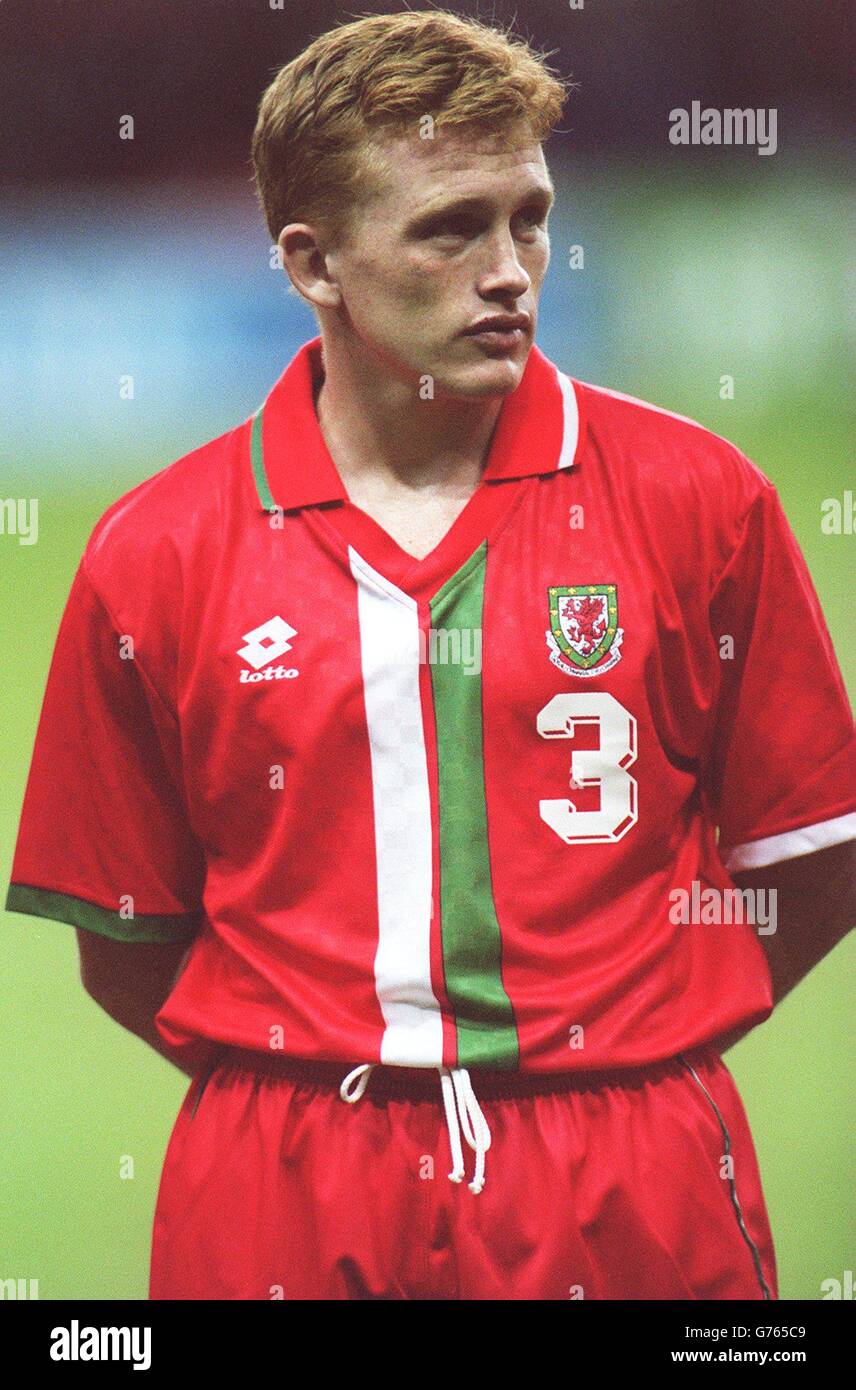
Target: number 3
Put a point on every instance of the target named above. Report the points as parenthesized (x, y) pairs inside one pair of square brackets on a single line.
[(603, 767)]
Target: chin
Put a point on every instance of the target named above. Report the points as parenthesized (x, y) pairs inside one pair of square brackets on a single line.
[(497, 376)]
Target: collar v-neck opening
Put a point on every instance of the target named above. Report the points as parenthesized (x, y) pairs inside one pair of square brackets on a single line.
[(538, 431), (421, 579)]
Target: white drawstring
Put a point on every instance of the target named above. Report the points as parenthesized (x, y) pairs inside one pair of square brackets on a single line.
[(454, 1128), (472, 1122), (463, 1113), (363, 1072)]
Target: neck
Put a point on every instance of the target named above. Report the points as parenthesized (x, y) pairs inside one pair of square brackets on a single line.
[(378, 428)]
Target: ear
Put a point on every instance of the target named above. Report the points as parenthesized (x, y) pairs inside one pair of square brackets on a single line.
[(305, 263)]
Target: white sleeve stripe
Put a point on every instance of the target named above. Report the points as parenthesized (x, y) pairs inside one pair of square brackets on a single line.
[(758, 853)]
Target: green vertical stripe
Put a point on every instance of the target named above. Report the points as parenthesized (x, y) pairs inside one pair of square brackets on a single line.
[(472, 943), (257, 456)]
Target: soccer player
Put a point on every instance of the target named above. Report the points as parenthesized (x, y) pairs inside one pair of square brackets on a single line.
[(386, 734)]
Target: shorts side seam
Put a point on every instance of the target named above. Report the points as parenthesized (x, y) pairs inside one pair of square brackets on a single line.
[(735, 1200), (202, 1080)]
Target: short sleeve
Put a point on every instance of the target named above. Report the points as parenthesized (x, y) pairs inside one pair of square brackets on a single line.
[(780, 769), (103, 841)]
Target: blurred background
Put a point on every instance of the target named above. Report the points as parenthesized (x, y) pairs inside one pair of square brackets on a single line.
[(147, 258)]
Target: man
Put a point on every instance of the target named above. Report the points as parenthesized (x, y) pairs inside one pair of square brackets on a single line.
[(384, 734)]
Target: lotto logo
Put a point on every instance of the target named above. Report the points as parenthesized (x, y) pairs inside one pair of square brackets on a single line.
[(266, 643), (271, 673)]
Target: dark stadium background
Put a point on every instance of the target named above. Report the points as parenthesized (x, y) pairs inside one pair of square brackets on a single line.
[(148, 257)]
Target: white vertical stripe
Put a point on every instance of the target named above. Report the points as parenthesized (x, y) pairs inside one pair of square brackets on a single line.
[(757, 854), (389, 641), (571, 413)]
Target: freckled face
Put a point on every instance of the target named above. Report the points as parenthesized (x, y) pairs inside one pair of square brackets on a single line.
[(452, 230)]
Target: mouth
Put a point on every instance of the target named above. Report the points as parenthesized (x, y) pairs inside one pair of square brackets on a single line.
[(501, 333)]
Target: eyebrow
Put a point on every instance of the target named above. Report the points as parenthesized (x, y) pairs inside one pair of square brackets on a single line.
[(541, 193)]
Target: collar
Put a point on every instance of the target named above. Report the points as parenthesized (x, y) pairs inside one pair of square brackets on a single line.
[(539, 430)]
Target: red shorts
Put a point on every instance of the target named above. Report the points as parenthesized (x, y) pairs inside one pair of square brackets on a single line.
[(621, 1185)]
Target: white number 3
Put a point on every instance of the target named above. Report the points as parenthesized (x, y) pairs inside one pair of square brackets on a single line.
[(604, 767)]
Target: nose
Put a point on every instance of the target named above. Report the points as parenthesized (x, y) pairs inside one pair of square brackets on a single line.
[(505, 275)]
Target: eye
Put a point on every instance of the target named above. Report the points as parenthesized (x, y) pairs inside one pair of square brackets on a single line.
[(534, 216), (456, 225)]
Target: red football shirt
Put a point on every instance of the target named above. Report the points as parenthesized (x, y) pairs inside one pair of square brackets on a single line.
[(437, 812)]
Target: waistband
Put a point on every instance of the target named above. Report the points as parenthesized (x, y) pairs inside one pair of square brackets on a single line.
[(421, 1083)]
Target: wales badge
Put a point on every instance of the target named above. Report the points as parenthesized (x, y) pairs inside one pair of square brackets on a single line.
[(584, 637)]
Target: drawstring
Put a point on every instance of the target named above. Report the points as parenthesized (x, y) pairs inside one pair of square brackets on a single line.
[(463, 1113), (457, 1087), (364, 1072)]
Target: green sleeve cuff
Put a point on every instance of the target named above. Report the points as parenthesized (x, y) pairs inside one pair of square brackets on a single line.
[(78, 912)]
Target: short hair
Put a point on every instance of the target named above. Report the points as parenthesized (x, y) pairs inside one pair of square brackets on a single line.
[(312, 142)]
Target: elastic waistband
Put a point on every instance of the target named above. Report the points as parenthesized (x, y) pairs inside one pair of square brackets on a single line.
[(422, 1082)]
